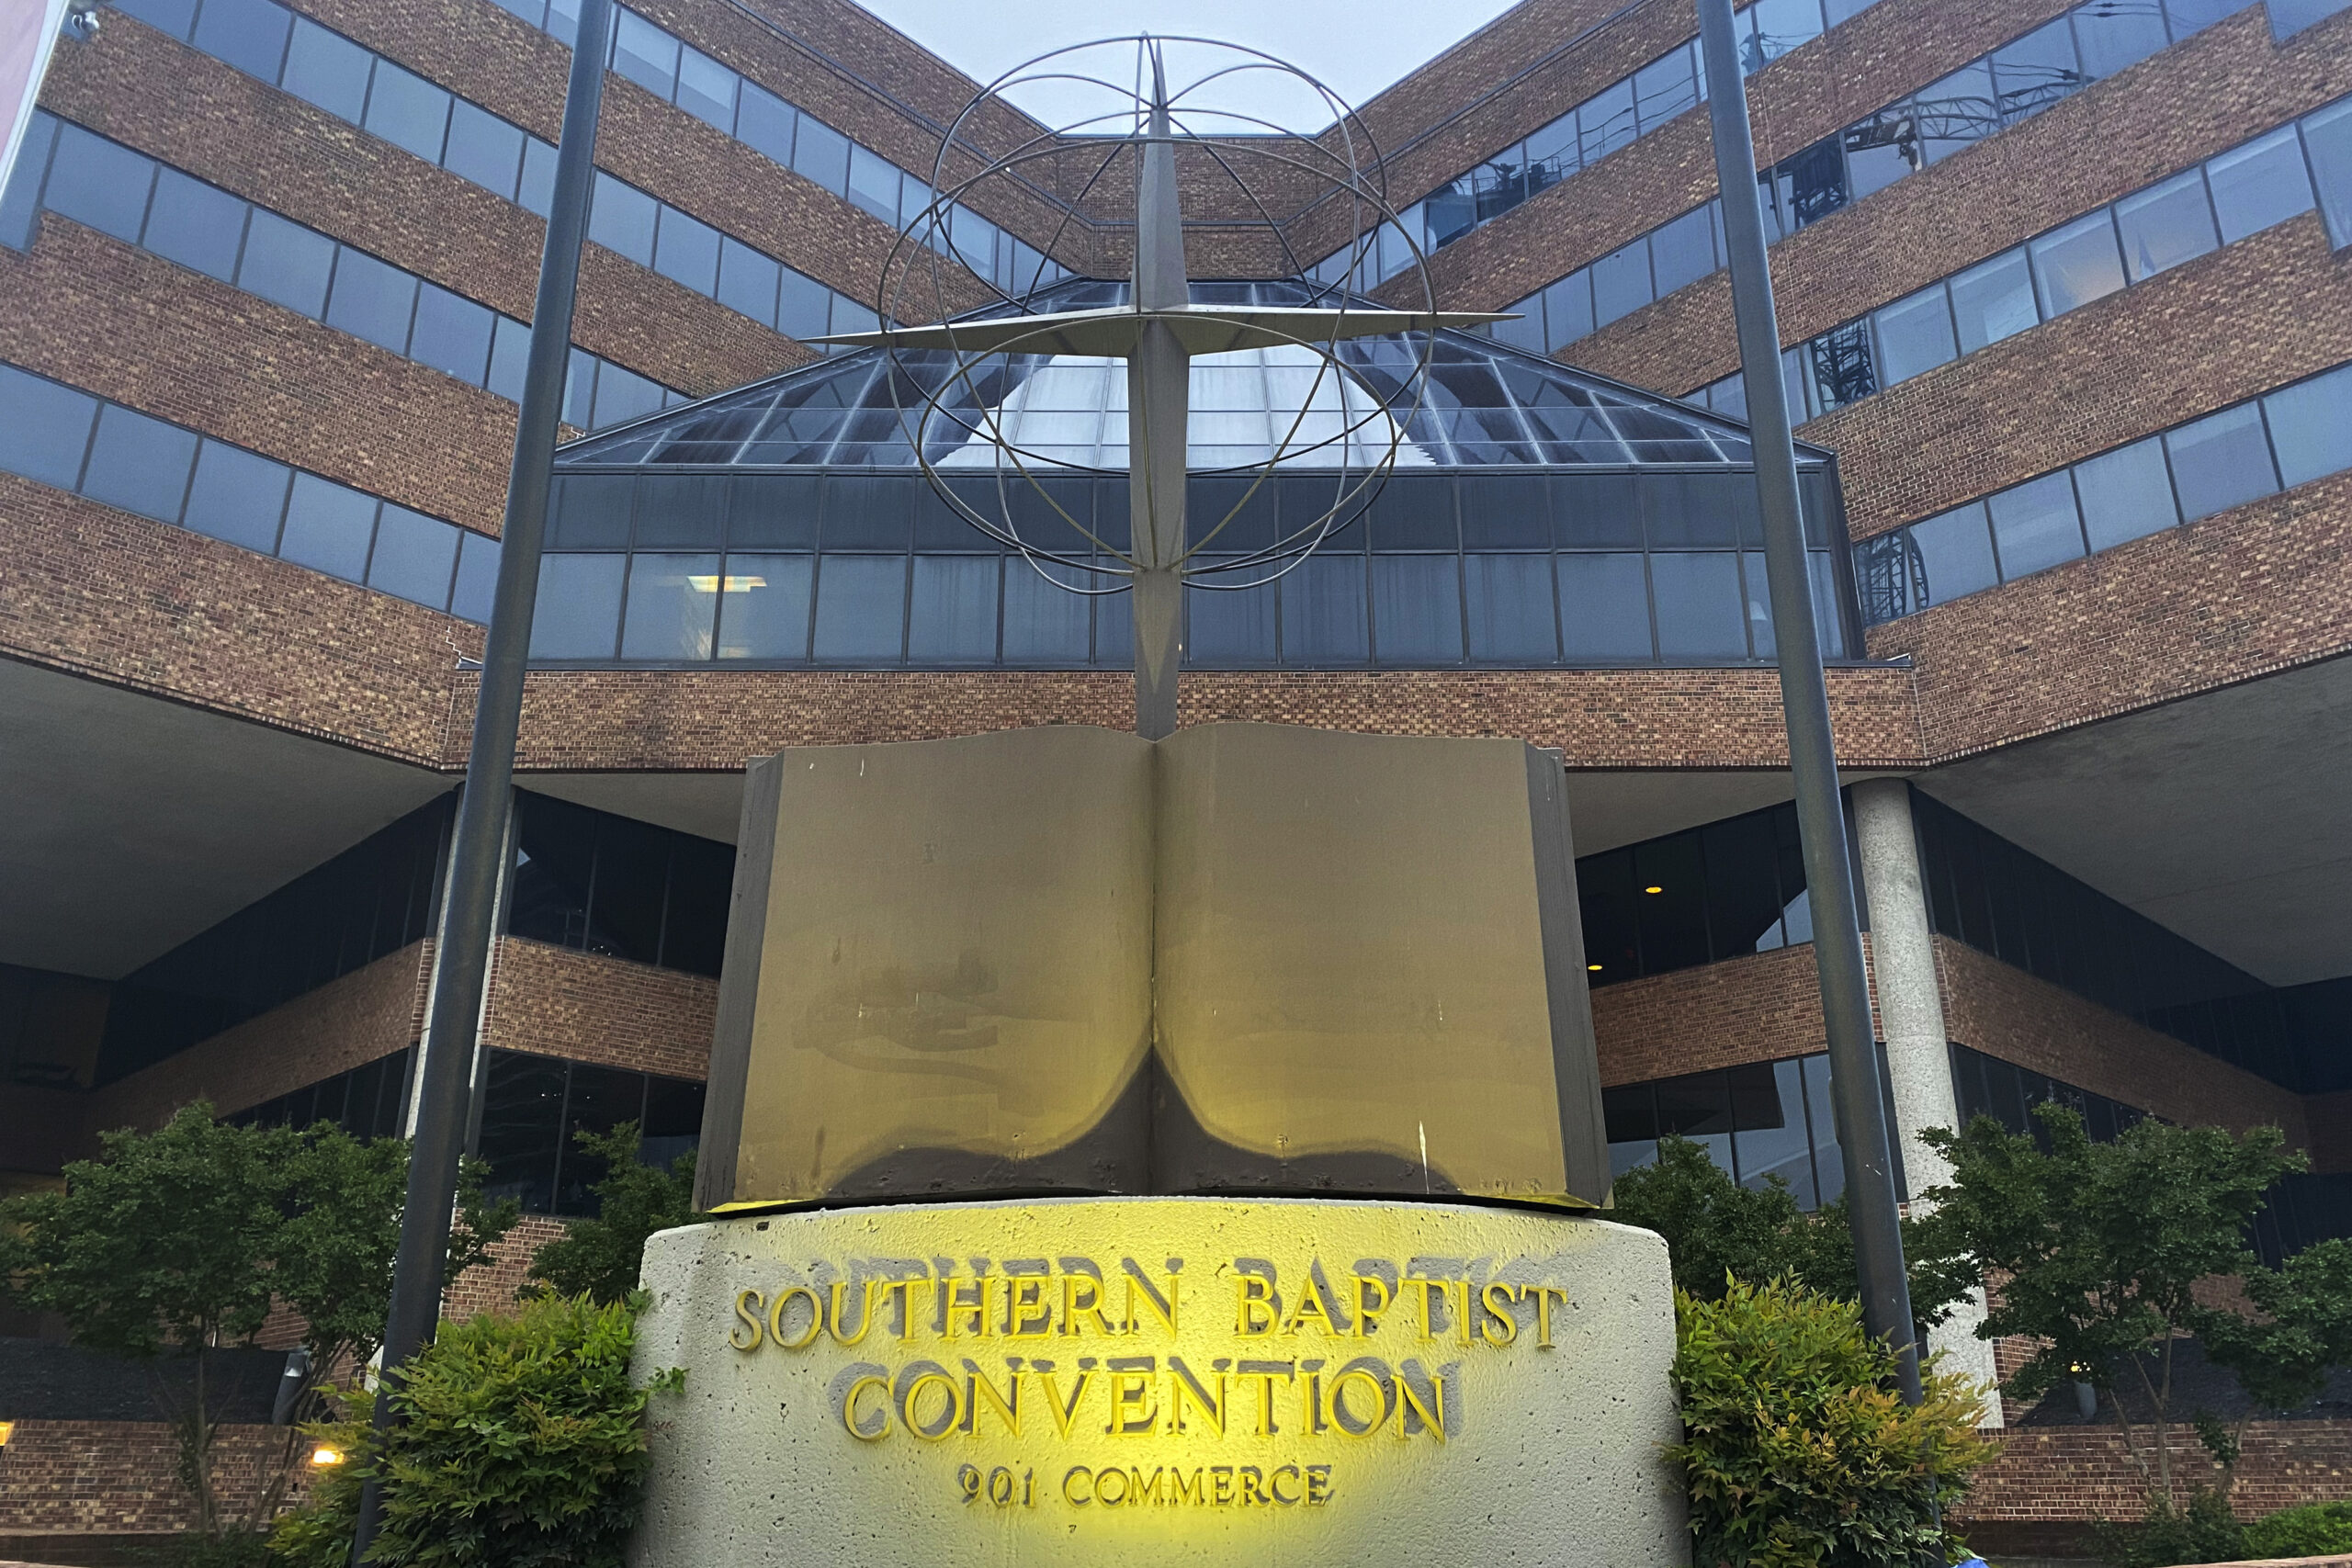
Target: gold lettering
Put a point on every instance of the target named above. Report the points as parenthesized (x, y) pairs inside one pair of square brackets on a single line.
[(957, 1307), (1431, 1291), (1134, 1411), (750, 1321), (1318, 1483), (1311, 1403), (1341, 1415), (1432, 1415), (1461, 1318), (865, 1324), (1073, 1473), (1252, 1479), (1372, 1298), (1497, 1300), (1184, 1386), (1102, 1493), (1221, 1485), (954, 1413), (1187, 1489), (1007, 1404), (882, 1416), (1073, 1309), (1310, 1305), (1140, 1491), (1265, 1372), (1162, 1308), (1253, 1306), (905, 1291), (1064, 1414), (1543, 1294), (1027, 1313), (1274, 1484), (775, 1317)]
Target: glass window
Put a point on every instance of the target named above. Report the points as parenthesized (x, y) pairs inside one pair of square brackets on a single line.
[(1665, 87), (1956, 112), (2165, 225), (1994, 300), (2195, 16), (476, 576), (746, 280), (1043, 624), (804, 306), (1568, 308), (1621, 283), (1768, 1135), (328, 527), (1915, 335), (861, 608), (2113, 37), (521, 1125), (2036, 71), (646, 55), (1881, 150), (2221, 461), (452, 333), (328, 70), (172, 17), (95, 182), (764, 122), (2259, 184), (1605, 121), (623, 395), (1781, 26), (238, 497), (1683, 250), (1843, 369), (821, 153), (509, 354), (1323, 611), (484, 148), (687, 252), (536, 192), (285, 263), (2288, 18), (764, 613), (874, 185), (2034, 525), (1828, 1159), (621, 219), (2311, 427), (416, 557), (673, 603), (706, 89), (1955, 553), (953, 617), (579, 607), (1417, 609), (1604, 606), (371, 299), (2327, 137), (1527, 333), (139, 464), (194, 225), (1511, 609), (2125, 493), (2077, 263), (408, 111), (248, 34), (1700, 613)]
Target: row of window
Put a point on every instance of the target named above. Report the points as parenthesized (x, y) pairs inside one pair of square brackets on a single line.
[(1697, 896), (722, 98), (598, 883), (1617, 115), (2220, 201), (2017, 80), (2224, 460), (67, 170), (1986, 1086), (1758, 1120), (69, 439), (533, 1106), (369, 1102)]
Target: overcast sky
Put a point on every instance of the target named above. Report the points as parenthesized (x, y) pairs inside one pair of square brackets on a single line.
[(1355, 46)]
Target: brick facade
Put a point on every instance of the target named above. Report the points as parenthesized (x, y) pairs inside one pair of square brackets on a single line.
[(2075, 1475), (105, 1477)]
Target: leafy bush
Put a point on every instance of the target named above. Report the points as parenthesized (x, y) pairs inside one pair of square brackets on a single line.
[(520, 1443), (2203, 1532), (600, 1257), (2317, 1530), (1799, 1452)]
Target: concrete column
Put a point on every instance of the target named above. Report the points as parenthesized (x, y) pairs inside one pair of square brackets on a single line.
[(1911, 1022)]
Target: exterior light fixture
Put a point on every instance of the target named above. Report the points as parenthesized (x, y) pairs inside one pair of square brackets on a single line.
[(1594, 967), (6, 1428), (1653, 889), (323, 1457)]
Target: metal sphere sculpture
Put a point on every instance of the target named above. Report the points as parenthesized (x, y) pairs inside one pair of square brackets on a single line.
[(952, 379)]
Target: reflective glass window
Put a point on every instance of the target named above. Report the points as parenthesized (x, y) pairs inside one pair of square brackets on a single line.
[(2165, 225), (1629, 1113), (484, 148), (1605, 121), (286, 262), (2193, 16), (1781, 26), (2077, 263), (1510, 616), (2125, 493), (1568, 308), (1683, 250), (590, 511), (1915, 335), (194, 225), (2260, 183), (1810, 185), (1665, 87), (510, 353), (2288, 18), (248, 34), (1233, 627), (1843, 368), (624, 395), (686, 250), (452, 333), (1043, 624), (1956, 112), (1527, 333), (1955, 551), (951, 617), (522, 1127), (1828, 1159), (1881, 150), (371, 299), (416, 557), (328, 527), (763, 612), (621, 219), (764, 122), (139, 464), (1416, 608), (672, 605), (2311, 427), (2327, 137), (2111, 36), (746, 280), (537, 191), (1670, 911), (2036, 71), (1621, 283), (1505, 511), (19, 199), (2034, 525), (172, 17), (645, 54), (804, 306), (328, 70), (1701, 612), (238, 497), (578, 613), (93, 180), (873, 184), (681, 511), (1769, 1138), (1323, 611), (706, 89), (2221, 461), (476, 576), (861, 608), (408, 111), (1604, 606), (1994, 300), (821, 153)]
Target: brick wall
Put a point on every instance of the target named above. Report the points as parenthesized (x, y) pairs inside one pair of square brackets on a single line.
[(111, 1476), (2076, 1474), (554, 1001), (493, 1285)]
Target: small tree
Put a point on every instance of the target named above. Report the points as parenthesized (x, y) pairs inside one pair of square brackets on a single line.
[(601, 1257), (2283, 1356), (2096, 1248)]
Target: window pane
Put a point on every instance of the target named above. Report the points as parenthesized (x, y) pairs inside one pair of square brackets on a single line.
[(1994, 300), (621, 219), (1665, 87), (1915, 335), (874, 185), (537, 191), (822, 154), (1700, 610), (1683, 250), (1829, 1160), (1880, 150), (172, 17), (1568, 308), (408, 111), (1417, 609), (510, 353), (646, 55), (2036, 72), (1323, 611), (579, 607), (1956, 112), (2125, 493), (2035, 527), (623, 395), (2076, 265), (803, 307), (1781, 26), (285, 263), (2165, 225), (673, 603), (2260, 183), (328, 527), (861, 608), (746, 280), (1768, 1135), (248, 34), (1605, 121), (328, 70), (2221, 461), (2288, 18), (476, 576), (1043, 624), (139, 464), (452, 334), (485, 148), (2195, 16), (194, 225), (1843, 369), (1605, 607), (2327, 136), (1235, 630), (372, 300), (1527, 333), (706, 89), (764, 122), (1955, 553), (238, 497), (415, 556), (953, 620), (2113, 37), (44, 428), (94, 181), (1621, 283), (687, 252), (2311, 426), (1511, 609), (522, 1127)]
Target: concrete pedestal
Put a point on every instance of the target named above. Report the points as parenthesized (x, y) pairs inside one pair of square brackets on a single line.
[(1161, 1380)]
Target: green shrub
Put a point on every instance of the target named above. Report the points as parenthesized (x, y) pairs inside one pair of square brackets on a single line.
[(521, 1443), (1799, 1452), (2202, 1531), (2317, 1530)]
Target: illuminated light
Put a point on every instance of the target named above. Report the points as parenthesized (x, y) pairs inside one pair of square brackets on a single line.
[(1594, 967), (6, 1428), (1653, 889), (732, 583), (323, 1456)]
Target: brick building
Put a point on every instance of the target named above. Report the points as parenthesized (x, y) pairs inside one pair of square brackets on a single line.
[(2068, 326)]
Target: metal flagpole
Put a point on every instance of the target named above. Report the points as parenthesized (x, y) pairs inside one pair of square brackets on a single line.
[(462, 951), (1805, 699)]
